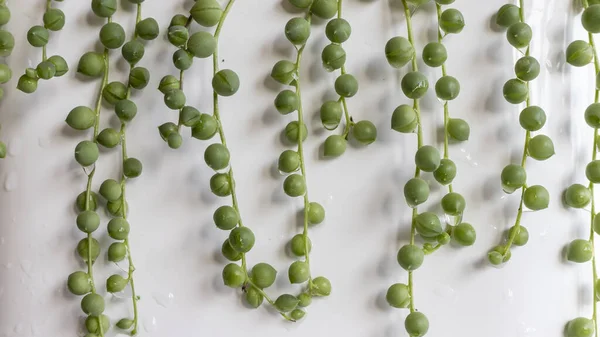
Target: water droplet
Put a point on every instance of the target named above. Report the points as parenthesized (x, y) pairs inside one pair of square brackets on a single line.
[(8, 265), (510, 295), (527, 330), (44, 142), (444, 291), (26, 267), (223, 170), (19, 328), (122, 265), (124, 294), (2, 240), (149, 324), (15, 147), (12, 181), (469, 158), (164, 300)]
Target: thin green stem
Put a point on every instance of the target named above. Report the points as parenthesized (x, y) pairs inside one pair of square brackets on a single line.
[(249, 283), (181, 76), (524, 156), (591, 187), (301, 153), (438, 8), (517, 226), (90, 178), (221, 131), (348, 118), (417, 109), (123, 135), (44, 55)]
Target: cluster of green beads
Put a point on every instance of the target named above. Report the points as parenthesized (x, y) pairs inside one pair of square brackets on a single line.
[(532, 118), (7, 44), (338, 31), (207, 13), (297, 31), (399, 51), (88, 220), (38, 36), (581, 53)]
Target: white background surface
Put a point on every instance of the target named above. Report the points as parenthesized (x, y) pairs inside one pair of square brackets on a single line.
[(175, 243)]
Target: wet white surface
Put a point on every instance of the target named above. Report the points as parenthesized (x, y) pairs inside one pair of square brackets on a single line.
[(175, 243)]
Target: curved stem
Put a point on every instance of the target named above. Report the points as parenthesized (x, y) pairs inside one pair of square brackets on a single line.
[(348, 118), (181, 75), (524, 156), (123, 178), (591, 187), (417, 109), (90, 178), (301, 153)]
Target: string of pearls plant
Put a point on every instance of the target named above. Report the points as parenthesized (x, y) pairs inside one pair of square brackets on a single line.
[(532, 118), (581, 53), (7, 43), (447, 88), (207, 13), (292, 163), (338, 31), (399, 52), (93, 65), (111, 190), (38, 36)]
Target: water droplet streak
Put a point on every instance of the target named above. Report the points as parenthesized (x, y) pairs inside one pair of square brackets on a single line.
[(15, 147), (164, 300), (11, 182), (149, 324)]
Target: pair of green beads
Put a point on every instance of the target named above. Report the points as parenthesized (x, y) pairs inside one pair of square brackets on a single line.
[(7, 40), (518, 33), (579, 196), (331, 112), (405, 120), (325, 9), (365, 132), (398, 296), (514, 177), (92, 64), (333, 56)]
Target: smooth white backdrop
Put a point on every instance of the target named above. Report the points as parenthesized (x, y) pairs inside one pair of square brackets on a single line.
[(175, 244)]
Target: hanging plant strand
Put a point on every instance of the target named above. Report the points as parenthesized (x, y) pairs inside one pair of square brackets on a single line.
[(532, 118), (338, 31), (7, 44), (581, 53)]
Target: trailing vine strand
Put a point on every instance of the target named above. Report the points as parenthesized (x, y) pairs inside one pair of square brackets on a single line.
[(399, 52), (115, 191), (7, 43), (338, 31), (226, 83), (38, 36), (93, 65), (581, 53), (532, 118)]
